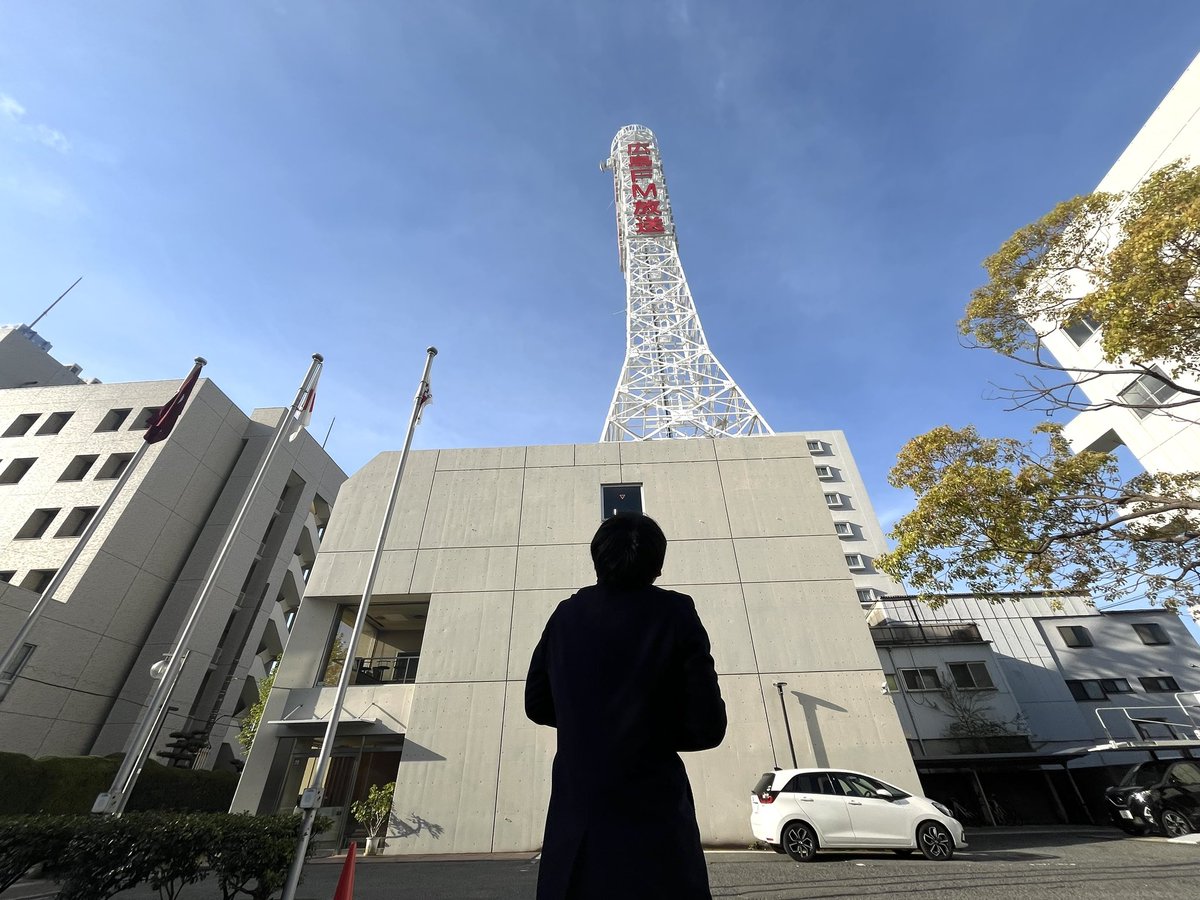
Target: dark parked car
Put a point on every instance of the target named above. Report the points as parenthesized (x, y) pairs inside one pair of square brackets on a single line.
[(1162, 796)]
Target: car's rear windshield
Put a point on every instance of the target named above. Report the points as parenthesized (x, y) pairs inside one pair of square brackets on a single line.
[(764, 783), (1145, 774)]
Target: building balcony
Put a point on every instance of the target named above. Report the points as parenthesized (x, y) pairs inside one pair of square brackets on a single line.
[(396, 669), (941, 633)]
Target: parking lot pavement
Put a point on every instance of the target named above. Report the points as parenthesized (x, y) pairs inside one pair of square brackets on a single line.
[(1086, 864), (1014, 864)]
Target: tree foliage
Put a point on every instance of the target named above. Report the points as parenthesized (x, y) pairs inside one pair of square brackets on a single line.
[(250, 721), (999, 515), (1127, 262)]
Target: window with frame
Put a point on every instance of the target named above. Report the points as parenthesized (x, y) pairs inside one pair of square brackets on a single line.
[(144, 418), (890, 682), (833, 500), (618, 498), (19, 427), (55, 422), (855, 561), (921, 679), (16, 469), (1159, 684), (843, 529), (1115, 686), (1075, 635), (114, 466), (1146, 392), (78, 467), (36, 580), (865, 595), (77, 521), (971, 676), (1151, 633), (1086, 689), (824, 472), (113, 420), (1081, 328), (37, 523), (815, 446)]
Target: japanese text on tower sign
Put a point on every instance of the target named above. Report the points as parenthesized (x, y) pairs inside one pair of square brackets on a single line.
[(647, 215)]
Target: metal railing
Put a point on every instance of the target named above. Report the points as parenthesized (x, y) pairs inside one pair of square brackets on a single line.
[(942, 633), (1189, 730), (397, 669)]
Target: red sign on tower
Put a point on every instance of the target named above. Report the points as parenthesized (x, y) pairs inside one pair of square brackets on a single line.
[(647, 212)]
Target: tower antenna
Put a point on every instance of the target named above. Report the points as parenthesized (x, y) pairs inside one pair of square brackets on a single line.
[(671, 385), (55, 303)]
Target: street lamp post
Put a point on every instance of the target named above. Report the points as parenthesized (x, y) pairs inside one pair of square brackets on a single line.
[(779, 686)]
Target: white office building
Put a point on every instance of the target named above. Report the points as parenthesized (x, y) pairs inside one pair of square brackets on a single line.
[(84, 675)]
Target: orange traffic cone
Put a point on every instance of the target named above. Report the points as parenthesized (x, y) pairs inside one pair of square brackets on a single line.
[(345, 885)]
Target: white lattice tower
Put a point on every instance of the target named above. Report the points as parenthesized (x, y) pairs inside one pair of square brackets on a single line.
[(671, 385)]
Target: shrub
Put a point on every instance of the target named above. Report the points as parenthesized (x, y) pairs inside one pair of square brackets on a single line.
[(27, 841)]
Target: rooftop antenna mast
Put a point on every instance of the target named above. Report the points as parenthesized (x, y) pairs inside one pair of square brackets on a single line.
[(671, 385), (55, 303)]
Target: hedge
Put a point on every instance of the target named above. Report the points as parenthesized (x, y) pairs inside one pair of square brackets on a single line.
[(96, 857), (67, 785)]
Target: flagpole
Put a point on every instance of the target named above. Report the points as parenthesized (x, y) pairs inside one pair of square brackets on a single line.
[(43, 601), (113, 801), (310, 800)]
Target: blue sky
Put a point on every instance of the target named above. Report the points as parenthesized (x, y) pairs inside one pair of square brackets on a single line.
[(253, 182)]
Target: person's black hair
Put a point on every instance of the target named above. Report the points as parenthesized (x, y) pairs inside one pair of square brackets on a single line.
[(628, 550)]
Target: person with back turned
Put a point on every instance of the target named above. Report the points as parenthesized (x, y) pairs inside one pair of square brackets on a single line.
[(625, 673)]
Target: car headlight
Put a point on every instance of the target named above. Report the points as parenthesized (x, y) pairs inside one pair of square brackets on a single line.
[(945, 811)]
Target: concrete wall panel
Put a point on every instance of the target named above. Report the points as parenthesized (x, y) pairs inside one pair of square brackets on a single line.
[(473, 508), (562, 505), (684, 498), (766, 447), (482, 458), (466, 637), (563, 567), (698, 562), (723, 613), (813, 626), (815, 558), (466, 569), (794, 505), (531, 612), (526, 760)]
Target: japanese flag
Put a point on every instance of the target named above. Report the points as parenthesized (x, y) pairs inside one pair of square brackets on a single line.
[(424, 398), (306, 408)]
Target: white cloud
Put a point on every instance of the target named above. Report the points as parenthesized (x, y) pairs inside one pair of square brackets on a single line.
[(43, 134)]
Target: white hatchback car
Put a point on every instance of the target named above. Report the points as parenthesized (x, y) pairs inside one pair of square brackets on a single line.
[(800, 811)]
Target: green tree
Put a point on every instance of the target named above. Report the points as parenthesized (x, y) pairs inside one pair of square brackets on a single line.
[(998, 515), (253, 716)]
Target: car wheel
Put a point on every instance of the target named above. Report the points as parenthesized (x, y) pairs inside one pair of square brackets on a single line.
[(903, 852), (800, 842), (935, 841), (1175, 823)]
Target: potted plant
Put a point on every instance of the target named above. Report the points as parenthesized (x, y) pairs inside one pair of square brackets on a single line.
[(373, 812)]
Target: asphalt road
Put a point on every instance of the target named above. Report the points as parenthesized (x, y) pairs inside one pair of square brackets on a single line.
[(1012, 864)]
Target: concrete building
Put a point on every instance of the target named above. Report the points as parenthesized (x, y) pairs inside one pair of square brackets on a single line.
[(25, 360), (483, 545), (85, 676), (1036, 702), (1161, 442)]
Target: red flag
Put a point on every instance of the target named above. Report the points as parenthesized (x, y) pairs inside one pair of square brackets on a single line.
[(161, 424), (425, 397), (304, 416)]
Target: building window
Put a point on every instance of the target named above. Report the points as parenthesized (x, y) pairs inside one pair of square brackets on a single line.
[(855, 561), (37, 523), (1075, 635), (113, 419), (833, 500), (77, 521), (1147, 392), (1081, 329), (843, 529), (1098, 688), (16, 470), (78, 467), (36, 579), (114, 466), (18, 663), (971, 676), (815, 447), (1151, 633), (890, 682), (824, 472), (7, 575), (21, 424), (617, 498), (921, 679), (1159, 685), (55, 422), (865, 595), (144, 418)]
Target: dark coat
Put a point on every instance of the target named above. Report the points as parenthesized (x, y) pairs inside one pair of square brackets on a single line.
[(627, 678)]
